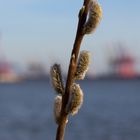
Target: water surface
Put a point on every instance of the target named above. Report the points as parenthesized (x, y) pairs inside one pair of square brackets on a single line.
[(110, 111)]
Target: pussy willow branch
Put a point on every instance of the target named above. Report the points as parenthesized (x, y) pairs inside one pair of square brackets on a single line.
[(71, 72)]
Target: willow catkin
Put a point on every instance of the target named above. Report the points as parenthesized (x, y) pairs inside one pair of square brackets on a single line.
[(95, 15), (57, 108), (83, 65), (57, 79), (75, 100)]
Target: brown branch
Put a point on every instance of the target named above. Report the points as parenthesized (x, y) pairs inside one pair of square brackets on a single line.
[(71, 72)]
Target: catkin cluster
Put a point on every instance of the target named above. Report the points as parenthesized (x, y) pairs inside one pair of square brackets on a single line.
[(57, 108), (57, 81), (76, 94), (82, 66), (95, 15), (75, 100)]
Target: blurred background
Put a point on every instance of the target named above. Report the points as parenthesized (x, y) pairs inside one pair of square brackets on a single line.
[(34, 34)]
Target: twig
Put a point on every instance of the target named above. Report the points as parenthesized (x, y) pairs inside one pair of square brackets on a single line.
[(71, 72)]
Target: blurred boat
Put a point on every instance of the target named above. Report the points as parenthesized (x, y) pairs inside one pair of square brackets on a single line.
[(122, 64), (7, 75)]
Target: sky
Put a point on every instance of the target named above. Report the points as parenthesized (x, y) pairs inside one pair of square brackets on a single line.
[(44, 30)]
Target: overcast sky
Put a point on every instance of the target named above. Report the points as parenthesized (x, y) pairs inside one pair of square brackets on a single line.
[(44, 30)]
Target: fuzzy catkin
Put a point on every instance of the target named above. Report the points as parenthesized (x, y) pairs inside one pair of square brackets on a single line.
[(57, 108), (95, 15), (57, 79), (75, 100), (83, 64)]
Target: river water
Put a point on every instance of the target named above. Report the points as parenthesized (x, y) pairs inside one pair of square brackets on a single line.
[(111, 111)]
